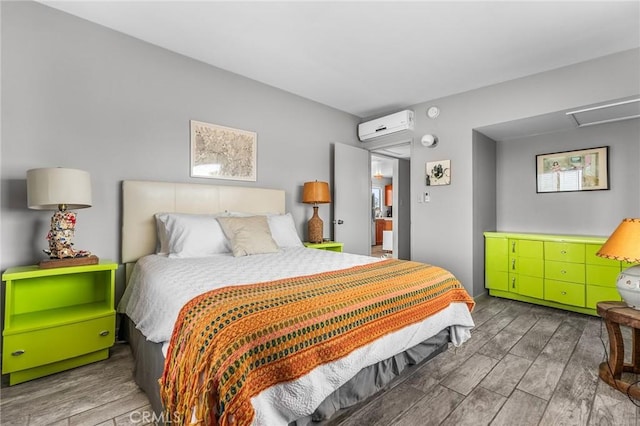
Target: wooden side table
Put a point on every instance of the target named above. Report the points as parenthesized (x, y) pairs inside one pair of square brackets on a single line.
[(616, 314)]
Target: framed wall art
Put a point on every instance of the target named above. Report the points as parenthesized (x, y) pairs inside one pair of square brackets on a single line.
[(438, 172), (219, 152), (579, 170)]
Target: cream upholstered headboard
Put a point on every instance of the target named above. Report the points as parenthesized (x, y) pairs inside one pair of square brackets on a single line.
[(142, 199)]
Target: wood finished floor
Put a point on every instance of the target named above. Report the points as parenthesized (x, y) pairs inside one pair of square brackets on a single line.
[(524, 365), (376, 251)]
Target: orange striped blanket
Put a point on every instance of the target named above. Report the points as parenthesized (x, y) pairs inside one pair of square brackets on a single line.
[(230, 344)]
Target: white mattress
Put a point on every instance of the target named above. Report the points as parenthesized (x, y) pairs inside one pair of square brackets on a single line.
[(159, 287)]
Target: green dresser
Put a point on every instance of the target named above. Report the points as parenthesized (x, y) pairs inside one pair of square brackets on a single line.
[(561, 271), (56, 319)]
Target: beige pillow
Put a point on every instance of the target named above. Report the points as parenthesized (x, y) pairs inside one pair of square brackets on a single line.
[(248, 235)]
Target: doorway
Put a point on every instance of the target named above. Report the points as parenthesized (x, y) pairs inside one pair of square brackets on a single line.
[(352, 199), (381, 206), (390, 205)]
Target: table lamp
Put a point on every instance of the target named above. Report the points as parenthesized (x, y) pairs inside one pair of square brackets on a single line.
[(315, 193), (624, 245), (60, 189)]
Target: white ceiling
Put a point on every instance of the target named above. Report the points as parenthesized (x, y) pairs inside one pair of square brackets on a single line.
[(370, 57), (615, 110), (381, 166)]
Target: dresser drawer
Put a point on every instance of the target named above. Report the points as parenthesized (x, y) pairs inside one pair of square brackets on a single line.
[(564, 271), (526, 248), (563, 292), (527, 266), (564, 252), (530, 286), (31, 349), (597, 294), (592, 259), (497, 280), (496, 254), (605, 276)]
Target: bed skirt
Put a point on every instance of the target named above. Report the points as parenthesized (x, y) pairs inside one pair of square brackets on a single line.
[(149, 364)]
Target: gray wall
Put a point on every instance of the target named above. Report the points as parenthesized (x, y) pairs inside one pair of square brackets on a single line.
[(485, 201), (75, 94), (444, 230), (520, 208), (505, 197), (402, 210)]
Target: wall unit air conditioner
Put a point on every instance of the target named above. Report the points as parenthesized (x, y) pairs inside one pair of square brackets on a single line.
[(386, 125)]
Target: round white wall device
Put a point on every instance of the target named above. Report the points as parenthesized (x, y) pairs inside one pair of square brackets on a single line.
[(433, 112), (429, 140)]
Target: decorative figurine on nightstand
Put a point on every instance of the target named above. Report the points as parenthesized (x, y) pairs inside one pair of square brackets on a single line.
[(60, 189)]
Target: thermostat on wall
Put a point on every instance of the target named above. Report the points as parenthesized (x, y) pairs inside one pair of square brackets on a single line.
[(429, 141)]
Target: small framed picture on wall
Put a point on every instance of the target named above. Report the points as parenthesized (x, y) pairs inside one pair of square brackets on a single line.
[(579, 170), (438, 173)]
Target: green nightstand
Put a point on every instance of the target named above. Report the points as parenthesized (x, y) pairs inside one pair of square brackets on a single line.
[(329, 246), (56, 319)]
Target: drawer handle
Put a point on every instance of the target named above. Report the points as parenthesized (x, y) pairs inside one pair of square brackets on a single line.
[(563, 271), (104, 333), (513, 247), (564, 293), (513, 264), (563, 252), (513, 282), (18, 352)]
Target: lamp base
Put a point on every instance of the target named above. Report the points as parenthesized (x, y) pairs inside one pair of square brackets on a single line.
[(315, 226), (60, 237), (628, 286)]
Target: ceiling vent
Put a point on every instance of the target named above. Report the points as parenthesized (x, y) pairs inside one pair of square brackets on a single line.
[(617, 111)]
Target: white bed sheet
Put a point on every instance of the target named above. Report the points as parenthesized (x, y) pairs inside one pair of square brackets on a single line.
[(159, 287)]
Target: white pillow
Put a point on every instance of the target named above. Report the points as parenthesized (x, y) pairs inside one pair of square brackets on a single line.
[(162, 245), (190, 235), (248, 235), (232, 213), (283, 230), (229, 213)]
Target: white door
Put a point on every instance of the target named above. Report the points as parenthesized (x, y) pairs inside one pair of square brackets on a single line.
[(352, 198)]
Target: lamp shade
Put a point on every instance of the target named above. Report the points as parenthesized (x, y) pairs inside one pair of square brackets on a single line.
[(48, 188), (624, 243), (316, 193)]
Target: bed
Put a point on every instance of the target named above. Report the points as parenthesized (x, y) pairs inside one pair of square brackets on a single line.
[(160, 285)]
